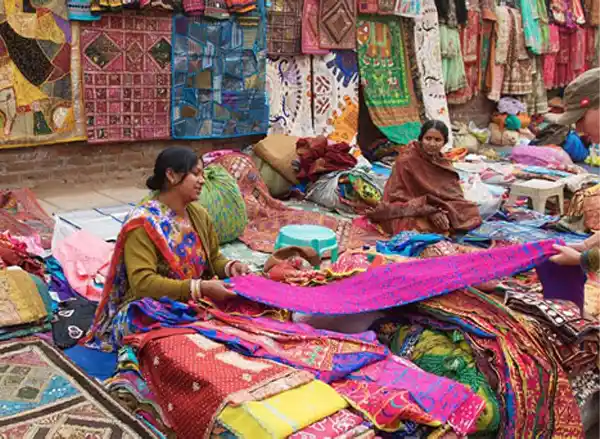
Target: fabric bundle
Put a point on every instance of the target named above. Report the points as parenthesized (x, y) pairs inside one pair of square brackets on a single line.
[(317, 156), (222, 199)]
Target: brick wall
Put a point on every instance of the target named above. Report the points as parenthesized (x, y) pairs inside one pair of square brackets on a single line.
[(479, 110), (82, 163)]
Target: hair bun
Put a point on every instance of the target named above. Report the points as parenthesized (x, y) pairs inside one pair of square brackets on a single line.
[(152, 184)]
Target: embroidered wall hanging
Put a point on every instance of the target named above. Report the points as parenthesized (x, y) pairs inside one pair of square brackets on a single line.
[(126, 69), (219, 70), (40, 87)]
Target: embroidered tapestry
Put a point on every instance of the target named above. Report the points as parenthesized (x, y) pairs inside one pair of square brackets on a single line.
[(288, 89), (284, 30), (219, 72), (335, 96), (337, 24), (40, 86), (387, 82), (310, 29), (397, 284), (45, 396), (126, 70), (429, 63)]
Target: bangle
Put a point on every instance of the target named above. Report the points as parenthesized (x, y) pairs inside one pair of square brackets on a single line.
[(584, 261), (196, 289)]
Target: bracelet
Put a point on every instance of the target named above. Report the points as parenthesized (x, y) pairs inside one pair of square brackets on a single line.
[(196, 289)]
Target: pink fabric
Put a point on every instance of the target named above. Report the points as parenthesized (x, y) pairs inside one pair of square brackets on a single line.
[(310, 29), (210, 157), (540, 156), (551, 57), (83, 257), (396, 284)]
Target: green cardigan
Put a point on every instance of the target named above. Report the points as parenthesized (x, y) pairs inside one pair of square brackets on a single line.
[(147, 270)]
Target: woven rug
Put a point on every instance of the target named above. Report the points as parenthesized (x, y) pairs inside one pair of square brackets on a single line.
[(386, 78), (126, 69), (335, 96), (44, 396), (21, 215), (40, 84), (219, 77), (288, 89)]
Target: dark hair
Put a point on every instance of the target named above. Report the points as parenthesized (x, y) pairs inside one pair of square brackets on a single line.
[(179, 159), (436, 125)]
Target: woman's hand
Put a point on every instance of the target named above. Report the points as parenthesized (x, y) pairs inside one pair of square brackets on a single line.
[(217, 290), (239, 269), (566, 256), (440, 221)]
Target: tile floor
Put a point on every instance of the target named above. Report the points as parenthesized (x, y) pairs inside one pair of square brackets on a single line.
[(66, 198)]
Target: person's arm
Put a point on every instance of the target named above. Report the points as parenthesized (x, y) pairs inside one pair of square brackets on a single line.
[(141, 261)]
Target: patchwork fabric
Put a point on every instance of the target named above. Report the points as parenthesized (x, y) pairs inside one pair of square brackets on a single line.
[(335, 96), (284, 34), (44, 396), (288, 88), (219, 77), (40, 86), (310, 29), (397, 284), (386, 78), (126, 68), (337, 19)]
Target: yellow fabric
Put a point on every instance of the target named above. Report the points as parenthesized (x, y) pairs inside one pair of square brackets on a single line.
[(282, 415), (20, 301)]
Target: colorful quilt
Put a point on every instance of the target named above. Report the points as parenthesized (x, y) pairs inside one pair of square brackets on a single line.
[(40, 84), (219, 70), (386, 78), (288, 90), (397, 284), (284, 34), (335, 96), (44, 396), (126, 69), (337, 24)]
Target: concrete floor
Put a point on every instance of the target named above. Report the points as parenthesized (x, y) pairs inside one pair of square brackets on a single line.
[(67, 198)]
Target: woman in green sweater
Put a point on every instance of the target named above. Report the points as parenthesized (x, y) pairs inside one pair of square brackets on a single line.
[(166, 248)]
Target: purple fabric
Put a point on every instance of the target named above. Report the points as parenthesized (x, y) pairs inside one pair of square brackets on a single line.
[(564, 283), (397, 284), (540, 156)]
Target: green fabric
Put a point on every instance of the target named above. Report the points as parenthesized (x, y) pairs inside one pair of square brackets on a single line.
[(531, 26), (512, 123), (453, 65), (447, 354), (222, 199), (385, 77)]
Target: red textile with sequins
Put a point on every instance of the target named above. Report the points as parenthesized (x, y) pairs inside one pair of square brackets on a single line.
[(193, 378)]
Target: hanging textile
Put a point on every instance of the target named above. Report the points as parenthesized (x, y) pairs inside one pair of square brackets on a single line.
[(429, 62), (409, 8), (452, 12), (126, 68), (40, 93), (531, 26), (469, 42), (288, 89), (284, 28), (550, 58), (337, 24), (537, 100), (500, 46), (335, 96), (219, 77), (398, 284), (387, 83), (518, 72), (310, 29), (453, 65)]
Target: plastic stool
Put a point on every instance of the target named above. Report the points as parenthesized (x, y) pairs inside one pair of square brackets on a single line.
[(321, 239), (538, 191)]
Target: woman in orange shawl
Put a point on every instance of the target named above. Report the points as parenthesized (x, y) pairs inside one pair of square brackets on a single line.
[(423, 192)]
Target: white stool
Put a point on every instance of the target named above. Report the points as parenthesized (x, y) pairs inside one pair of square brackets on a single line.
[(538, 191)]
